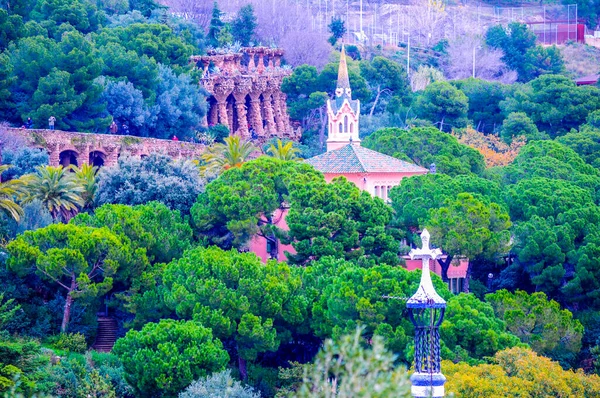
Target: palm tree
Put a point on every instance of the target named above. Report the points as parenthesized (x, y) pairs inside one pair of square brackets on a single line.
[(8, 191), (283, 152), (86, 175), (232, 153), (58, 189)]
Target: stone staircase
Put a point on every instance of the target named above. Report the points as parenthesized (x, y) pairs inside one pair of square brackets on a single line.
[(107, 334)]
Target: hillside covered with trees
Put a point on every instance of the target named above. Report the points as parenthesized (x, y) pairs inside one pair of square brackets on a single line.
[(160, 247)]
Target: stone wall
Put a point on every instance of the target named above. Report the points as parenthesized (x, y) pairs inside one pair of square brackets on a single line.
[(102, 149)]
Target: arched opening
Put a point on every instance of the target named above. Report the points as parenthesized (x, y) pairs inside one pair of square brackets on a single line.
[(250, 112), (97, 158), (351, 128), (67, 158), (345, 124), (213, 111), (341, 128), (232, 114)]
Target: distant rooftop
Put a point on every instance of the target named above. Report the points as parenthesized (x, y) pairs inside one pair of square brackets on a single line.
[(357, 159)]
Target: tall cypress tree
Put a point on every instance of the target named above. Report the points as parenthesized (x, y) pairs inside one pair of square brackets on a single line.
[(244, 25), (215, 26)]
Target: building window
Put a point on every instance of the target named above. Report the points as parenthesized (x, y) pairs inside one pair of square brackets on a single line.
[(351, 127), (376, 190), (341, 127), (345, 124), (456, 285)]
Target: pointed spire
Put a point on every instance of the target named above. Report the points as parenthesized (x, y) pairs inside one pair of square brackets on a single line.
[(343, 80)]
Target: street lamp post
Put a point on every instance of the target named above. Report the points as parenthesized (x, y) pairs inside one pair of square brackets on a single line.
[(426, 312)]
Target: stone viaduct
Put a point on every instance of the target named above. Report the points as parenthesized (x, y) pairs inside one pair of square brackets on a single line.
[(67, 148), (245, 92)]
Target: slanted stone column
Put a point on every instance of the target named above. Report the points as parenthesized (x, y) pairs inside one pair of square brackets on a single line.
[(240, 107), (268, 111), (255, 115), (284, 112), (230, 116), (243, 86), (222, 111), (280, 125)]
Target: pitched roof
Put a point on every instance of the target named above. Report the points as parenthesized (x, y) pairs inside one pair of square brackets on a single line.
[(356, 159)]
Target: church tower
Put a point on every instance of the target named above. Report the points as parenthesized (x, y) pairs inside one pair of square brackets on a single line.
[(342, 112)]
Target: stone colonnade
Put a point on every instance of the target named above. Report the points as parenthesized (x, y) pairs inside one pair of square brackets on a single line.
[(245, 92), (66, 148)]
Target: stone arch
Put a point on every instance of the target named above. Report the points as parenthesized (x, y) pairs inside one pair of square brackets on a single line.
[(97, 158), (68, 157)]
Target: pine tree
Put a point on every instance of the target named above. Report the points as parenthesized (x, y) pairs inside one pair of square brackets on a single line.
[(244, 25), (215, 26)]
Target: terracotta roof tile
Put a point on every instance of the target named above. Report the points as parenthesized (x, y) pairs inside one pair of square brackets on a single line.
[(357, 159)]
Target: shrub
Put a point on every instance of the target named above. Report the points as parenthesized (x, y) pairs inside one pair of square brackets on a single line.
[(73, 342), (218, 385), (163, 358)]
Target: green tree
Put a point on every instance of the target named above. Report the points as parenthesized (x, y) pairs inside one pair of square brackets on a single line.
[(338, 219), (163, 358), (337, 29), (468, 227), (545, 197), (242, 202), (11, 28), (585, 142), (413, 199), (484, 103), (216, 25), (540, 323), (554, 103), (250, 306), (427, 145), (156, 41), (345, 368), (160, 231), (81, 260), (471, 331), (443, 105), (348, 295), (57, 189), (8, 308), (519, 124), (385, 78), (244, 25), (521, 52), (56, 78), (80, 14)]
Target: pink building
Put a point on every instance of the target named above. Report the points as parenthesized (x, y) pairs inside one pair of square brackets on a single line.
[(369, 170)]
